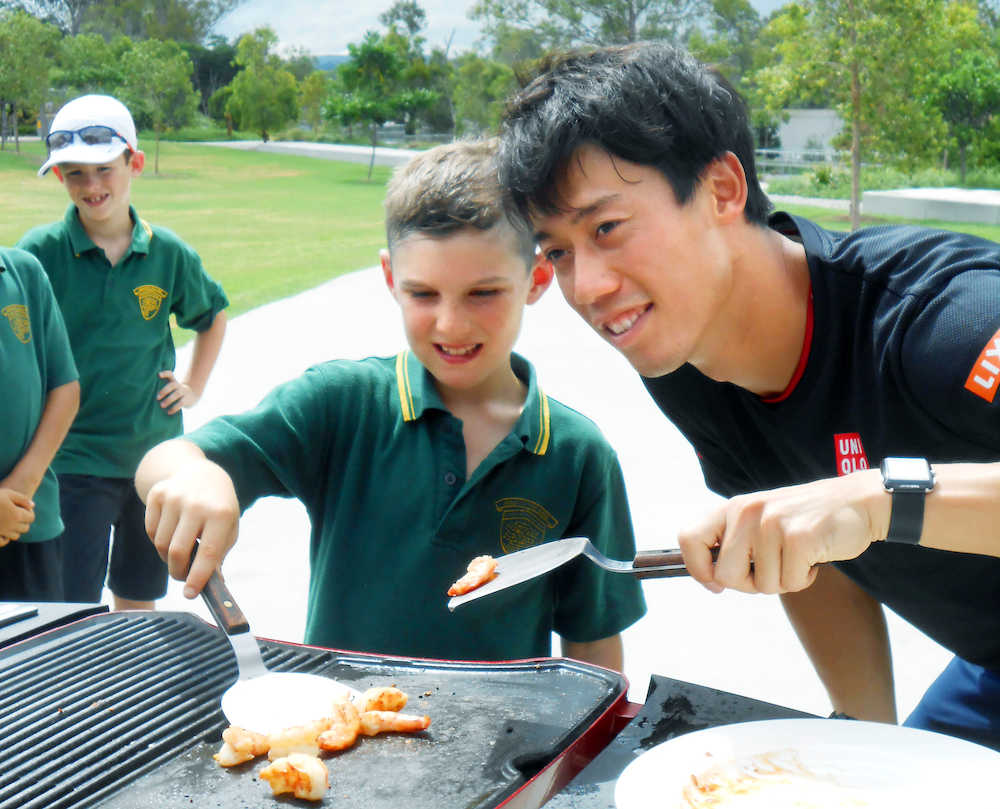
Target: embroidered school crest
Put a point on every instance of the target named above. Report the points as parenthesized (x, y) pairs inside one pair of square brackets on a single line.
[(17, 316), (523, 523), (150, 297)]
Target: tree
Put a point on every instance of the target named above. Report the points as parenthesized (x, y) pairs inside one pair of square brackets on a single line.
[(731, 42), (264, 94), (372, 91), (406, 15), (87, 63), (869, 55), (67, 15), (481, 88), (968, 94), (181, 20), (27, 47), (157, 88), (566, 23), (299, 62), (315, 90), (214, 66)]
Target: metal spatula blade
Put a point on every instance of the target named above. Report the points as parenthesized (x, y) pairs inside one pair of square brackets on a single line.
[(520, 566), (262, 700)]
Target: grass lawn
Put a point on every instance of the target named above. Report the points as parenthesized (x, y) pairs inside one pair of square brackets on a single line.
[(266, 226)]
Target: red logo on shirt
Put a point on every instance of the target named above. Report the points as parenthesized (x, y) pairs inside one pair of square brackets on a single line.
[(850, 453), (985, 377)]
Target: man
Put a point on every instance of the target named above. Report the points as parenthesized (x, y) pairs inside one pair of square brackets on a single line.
[(793, 359)]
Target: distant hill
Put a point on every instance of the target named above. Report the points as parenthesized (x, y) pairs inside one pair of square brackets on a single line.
[(331, 61)]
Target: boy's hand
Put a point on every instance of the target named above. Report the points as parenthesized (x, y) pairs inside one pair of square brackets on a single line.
[(175, 394), (17, 513), (197, 502)]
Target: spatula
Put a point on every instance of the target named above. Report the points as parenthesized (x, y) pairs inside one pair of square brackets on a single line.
[(262, 700), (514, 568)]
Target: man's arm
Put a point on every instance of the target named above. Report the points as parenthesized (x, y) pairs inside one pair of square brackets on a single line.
[(60, 409), (607, 652), (207, 344), (773, 541), (188, 498), (844, 633)]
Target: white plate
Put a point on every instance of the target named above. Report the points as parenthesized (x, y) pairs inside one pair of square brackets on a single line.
[(811, 764)]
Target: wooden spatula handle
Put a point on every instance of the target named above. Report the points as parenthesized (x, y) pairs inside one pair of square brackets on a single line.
[(221, 604), (672, 559)]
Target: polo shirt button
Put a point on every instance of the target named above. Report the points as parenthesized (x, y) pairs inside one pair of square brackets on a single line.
[(450, 478)]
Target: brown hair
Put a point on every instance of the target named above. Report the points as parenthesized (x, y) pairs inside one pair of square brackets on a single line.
[(450, 188)]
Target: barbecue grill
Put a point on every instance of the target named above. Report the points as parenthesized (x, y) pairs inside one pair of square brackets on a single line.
[(122, 710)]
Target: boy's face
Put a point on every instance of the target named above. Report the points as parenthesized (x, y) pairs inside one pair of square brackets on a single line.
[(102, 191), (652, 277), (462, 297)]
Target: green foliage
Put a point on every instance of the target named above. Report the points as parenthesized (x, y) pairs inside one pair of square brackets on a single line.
[(181, 20), (88, 63), (481, 87), (27, 46), (157, 87), (265, 96), (566, 23), (373, 89), (314, 91), (834, 182), (214, 67), (405, 15)]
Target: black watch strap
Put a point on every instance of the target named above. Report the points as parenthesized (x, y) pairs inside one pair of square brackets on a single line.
[(907, 519)]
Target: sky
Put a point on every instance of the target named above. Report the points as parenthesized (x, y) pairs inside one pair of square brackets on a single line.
[(327, 26)]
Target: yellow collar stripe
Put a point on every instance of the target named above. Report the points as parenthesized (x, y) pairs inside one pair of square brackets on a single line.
[(543, 426), (403, 383)]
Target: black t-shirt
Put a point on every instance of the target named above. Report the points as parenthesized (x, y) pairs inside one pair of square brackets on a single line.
[(904, 320)]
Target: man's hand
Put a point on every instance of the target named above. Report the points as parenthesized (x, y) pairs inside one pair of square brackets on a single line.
[(196, 502), (17, 513), (175, 394), (770, 542)]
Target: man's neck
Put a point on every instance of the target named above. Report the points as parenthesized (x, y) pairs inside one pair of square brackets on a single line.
[(759, 346)]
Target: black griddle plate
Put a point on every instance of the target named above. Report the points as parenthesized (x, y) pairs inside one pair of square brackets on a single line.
[(121, 711)]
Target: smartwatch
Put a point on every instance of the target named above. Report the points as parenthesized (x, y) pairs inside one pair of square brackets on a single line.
[(908, 480)]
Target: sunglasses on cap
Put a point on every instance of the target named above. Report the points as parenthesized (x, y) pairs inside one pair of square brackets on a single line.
[(90, 135)]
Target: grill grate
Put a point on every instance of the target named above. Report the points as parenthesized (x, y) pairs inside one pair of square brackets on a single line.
[(81, 713), (116, 706)]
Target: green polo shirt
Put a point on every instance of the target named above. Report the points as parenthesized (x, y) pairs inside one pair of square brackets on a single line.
[(34, 358), (379, 463), (118, 319)]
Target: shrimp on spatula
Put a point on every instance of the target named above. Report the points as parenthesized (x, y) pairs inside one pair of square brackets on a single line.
[(481, 570)]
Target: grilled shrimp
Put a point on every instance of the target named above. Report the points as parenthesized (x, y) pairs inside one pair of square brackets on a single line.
[(481, 570), (345, 724), (384, 698), (302, 775), (375, 722), (297, 739), (240, 745)]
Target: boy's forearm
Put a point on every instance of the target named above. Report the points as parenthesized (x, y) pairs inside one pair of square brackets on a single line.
[(207, 345), (61, 406), (164, 460), (608, 652)]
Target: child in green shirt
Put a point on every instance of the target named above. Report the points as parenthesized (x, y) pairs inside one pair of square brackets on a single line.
[(410, 466), (41, 396), (117, 279)]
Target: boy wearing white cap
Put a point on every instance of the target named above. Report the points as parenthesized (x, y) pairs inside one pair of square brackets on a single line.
[(118, 279)]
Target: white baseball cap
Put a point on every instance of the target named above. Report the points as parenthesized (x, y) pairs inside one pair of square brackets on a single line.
[(74, 146)]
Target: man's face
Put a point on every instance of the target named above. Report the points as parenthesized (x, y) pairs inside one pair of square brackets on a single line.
[(462, 297), (649, 275), (101, 192)]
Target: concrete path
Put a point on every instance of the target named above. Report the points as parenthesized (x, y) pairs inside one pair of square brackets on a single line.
[(732, 641)]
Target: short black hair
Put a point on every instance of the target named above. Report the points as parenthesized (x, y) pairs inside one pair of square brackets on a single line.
[(649, 103)]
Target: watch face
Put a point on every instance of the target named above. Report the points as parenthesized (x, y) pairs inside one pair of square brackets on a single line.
[(908, 472)]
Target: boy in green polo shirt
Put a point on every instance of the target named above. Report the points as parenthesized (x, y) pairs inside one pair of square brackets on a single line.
[(117, 279), (410, 466), (41, 396)]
